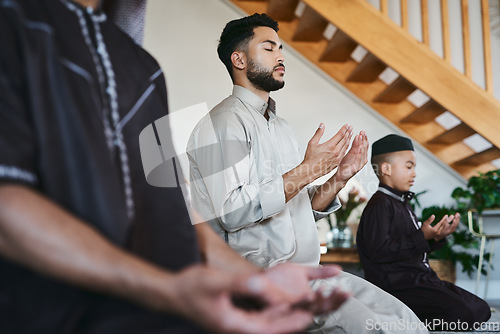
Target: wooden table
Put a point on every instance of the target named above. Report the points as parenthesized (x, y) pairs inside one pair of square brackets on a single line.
[(340, 255)]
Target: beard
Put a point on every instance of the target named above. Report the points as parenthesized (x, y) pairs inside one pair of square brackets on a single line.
[(262, 78)]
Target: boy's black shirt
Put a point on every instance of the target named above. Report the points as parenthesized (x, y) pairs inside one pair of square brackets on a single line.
[(391, 246)]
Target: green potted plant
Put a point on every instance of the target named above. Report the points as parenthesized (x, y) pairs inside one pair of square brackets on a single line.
[(482, 192)]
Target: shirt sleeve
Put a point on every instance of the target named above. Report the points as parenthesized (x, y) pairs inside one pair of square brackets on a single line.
[(17, 144), (223, 174), (382, 239), (331, 208), (435, 245)]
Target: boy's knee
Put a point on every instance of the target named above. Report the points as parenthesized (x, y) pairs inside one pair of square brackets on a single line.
[(481, 311), (471, 313)]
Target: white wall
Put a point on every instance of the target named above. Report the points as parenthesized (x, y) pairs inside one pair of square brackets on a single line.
[(183, 36)]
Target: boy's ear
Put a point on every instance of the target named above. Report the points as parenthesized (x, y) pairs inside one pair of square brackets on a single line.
[(385, 169), (238, 59)]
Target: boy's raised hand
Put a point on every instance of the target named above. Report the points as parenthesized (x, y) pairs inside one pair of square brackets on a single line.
[(450, 227), (447, 225)]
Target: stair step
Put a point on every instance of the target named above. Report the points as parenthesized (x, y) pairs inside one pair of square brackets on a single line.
[(282, 10), (477, 159), (311, 26), (396, 91), (339, 49), (454, 135), (426, 113), (368, 69), (251, 6)]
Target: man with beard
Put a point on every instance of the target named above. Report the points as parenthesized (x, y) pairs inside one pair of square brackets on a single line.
[(250, 183)]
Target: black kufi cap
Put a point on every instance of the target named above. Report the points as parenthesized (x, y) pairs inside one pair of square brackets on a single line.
[(391, 143)]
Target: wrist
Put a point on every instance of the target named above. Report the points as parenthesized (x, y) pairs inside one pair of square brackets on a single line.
[(301, 176), (161, 292), (339, 183)]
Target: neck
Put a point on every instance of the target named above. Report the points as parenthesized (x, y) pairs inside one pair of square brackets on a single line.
[(260, 93), (244, 82), (88, 3), (387, 181)]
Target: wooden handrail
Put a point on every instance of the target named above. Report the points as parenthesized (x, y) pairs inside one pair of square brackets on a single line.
[(389, 44), (421, 67)]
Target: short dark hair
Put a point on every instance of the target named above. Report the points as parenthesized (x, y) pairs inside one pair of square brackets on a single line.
[(237, 33)]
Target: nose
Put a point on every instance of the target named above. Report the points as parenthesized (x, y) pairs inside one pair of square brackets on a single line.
[(413, 173), (281, 57)]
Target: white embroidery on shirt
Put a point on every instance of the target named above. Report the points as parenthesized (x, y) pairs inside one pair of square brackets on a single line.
[(17, 173), (107, 80)]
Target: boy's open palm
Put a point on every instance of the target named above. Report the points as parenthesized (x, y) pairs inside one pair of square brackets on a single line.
[(447, 225)]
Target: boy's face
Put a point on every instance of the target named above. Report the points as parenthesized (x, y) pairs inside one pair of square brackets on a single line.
[(399, 172)]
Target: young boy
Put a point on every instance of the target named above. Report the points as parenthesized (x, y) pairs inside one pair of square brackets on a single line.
[(393, 244)]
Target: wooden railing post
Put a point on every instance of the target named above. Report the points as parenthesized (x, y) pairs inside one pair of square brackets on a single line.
[(384, 8), (424, 9), (445, 27), (466, 38), (404, 14), (488, 71)]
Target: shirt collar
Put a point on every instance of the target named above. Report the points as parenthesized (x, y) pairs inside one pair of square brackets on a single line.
[(98, 13), (396, 194), (256, 102)]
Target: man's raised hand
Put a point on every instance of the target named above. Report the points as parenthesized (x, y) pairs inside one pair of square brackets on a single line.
[(322, 158), (355, 159)]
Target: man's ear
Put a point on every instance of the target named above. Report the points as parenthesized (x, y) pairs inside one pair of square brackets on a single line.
[(385, 168), (239, 60)]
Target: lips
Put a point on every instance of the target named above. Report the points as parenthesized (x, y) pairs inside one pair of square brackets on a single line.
[(280, 68)]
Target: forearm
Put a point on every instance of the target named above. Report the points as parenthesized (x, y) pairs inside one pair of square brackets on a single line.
[(40, 235), (217, 254), (237, 206), (326, 193), (399, 248), (296, 179)]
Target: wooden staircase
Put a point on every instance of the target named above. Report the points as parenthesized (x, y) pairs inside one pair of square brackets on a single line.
[(417, 67)]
